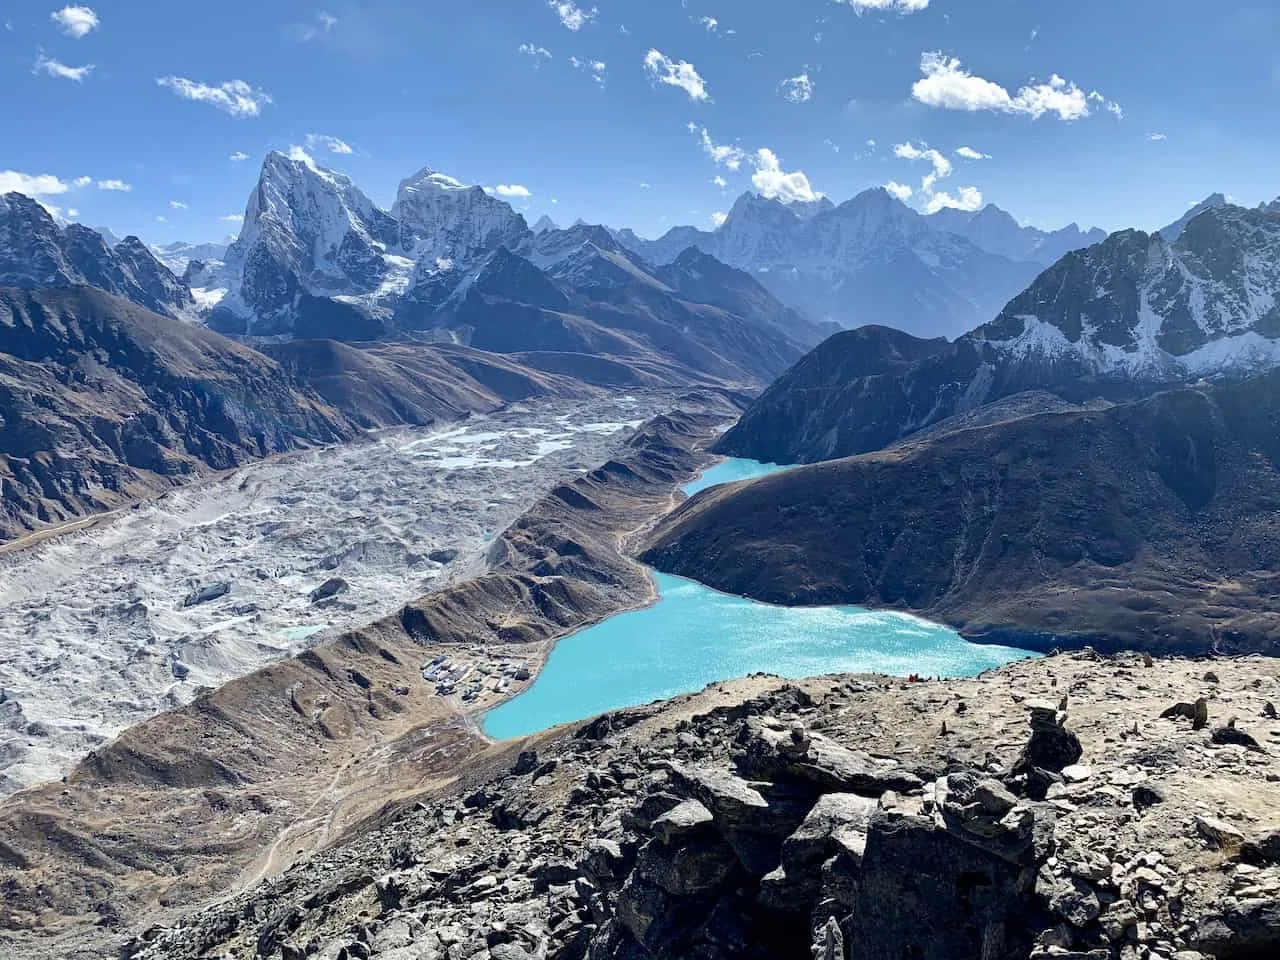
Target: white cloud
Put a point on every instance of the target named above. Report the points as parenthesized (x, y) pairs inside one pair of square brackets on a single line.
[(72, 213), (177, 204), (512, 190), (233, 96), (718, 218), (722, 154), (80, 182), (967, 199), (327, 19), (1109, 105), (797, 89), (773, 182), (720, 182), (909, 151), (969, 153), (55, 68), (711, 23), (325, 142), (233, 218), (676, 73), (896, 6), (115, 186), (571, 15), (33, 185), (298, 155), (75, 21), (899, 190), (161, 219), (533, 50), (1157, 137), (595, 67), (238, 156), (946, 84), (646, 186)]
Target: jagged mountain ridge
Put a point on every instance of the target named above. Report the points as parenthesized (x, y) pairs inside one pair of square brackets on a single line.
[(36, 252), (874, 260), (316, 258), (1123, 318)]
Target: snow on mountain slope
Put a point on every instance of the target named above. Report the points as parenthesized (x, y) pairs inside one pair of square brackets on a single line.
[(35, 251), (442, 220), (1141, 307), (872, 259), (178, 255), (1211, 202), (995, 231), (307, 230)]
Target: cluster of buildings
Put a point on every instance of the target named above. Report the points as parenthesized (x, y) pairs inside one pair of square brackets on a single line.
[(473, 679)]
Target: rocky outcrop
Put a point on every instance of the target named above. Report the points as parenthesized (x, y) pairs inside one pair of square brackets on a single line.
[(722, 825), (1143, 525)]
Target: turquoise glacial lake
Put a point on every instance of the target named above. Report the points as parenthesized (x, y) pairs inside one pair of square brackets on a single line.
[(693, 636)]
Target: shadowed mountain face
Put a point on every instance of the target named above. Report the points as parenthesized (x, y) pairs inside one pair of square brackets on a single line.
[(1134, 314), (36, 252), (102, 401), (1153, 523)]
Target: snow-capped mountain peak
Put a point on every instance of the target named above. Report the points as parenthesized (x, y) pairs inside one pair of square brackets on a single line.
[(441, 218), (1139, 305)]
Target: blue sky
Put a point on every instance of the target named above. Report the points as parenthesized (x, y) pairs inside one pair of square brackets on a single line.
[(593, 118)]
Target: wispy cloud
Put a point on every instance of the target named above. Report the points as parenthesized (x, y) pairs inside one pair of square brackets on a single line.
[(722, 154), (323, 22), (775, 183), (233, 96), (75, 21), (676, 73), (322, 141), (595, 67), (718, 218), (233, 218), (115, 186), (238, 156), (1157, 137), (720, 181), (947, 85), (968, 153), (512, 191), (797, 89), (55, 68), (177, 205), (571, 15), (891, 6), (965, 198), (537, 53)]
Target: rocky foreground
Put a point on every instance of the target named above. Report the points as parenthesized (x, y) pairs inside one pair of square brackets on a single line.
[(1073, 807)]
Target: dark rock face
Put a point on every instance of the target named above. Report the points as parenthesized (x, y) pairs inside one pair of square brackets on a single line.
[(1122, 319), (1082, 526), (101, 401), (36, 252)]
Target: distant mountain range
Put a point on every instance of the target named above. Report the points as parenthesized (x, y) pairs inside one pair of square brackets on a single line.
[(1125, 317), (874, 260)]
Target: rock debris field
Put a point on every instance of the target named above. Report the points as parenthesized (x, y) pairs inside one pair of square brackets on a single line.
[(106, 626)]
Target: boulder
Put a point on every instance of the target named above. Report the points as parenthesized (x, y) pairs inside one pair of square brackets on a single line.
[(685, 820), (819, 763), (206, 594), (329, 589)]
